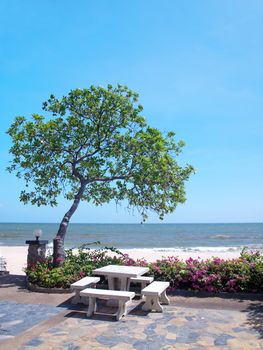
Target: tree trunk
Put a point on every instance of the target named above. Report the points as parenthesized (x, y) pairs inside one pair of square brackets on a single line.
[(58, 242)]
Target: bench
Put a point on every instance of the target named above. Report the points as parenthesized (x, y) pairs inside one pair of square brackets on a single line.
[(155, 293), (80, 285), (143, 280), (123, 298)]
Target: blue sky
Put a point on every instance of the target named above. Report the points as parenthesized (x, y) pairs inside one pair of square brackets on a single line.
[(197, 66)]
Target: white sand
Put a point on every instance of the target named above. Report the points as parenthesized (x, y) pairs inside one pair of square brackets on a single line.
[(16, 257), (153, 255)]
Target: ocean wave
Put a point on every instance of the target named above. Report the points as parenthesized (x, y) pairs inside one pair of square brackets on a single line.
[(221, 236), (258, 247), (254, 247)]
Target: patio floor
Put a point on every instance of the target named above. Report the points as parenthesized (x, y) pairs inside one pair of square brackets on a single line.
[(40, 321)]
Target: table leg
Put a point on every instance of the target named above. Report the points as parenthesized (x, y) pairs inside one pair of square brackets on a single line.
[(124, 283), (76, 298), (117, 284), (152, 303), (111, 283), (112, 286), (122, 310), (121, 283), (164, 299), (156, 304), (92, 306)]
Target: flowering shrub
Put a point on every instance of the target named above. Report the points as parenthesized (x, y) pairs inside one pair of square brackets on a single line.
[(43, 274), (244, 274), (76, 266)]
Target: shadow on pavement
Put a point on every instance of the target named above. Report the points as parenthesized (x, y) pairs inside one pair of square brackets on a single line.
[(240, 297), (8, 281), (255, 317), (248, 303)]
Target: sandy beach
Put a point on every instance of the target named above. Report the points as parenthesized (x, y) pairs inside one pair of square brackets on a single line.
[(16, 256)]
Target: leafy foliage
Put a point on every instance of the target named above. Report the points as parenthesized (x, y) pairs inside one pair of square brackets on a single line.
[(97, 147), (244, 274), (76, 266)]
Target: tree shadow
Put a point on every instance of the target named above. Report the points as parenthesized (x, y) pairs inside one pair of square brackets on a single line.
[(8, 281), (240, 297), (249, 303), (255, 317)]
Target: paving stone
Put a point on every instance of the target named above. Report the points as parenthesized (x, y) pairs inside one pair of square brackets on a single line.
[(176, 328), (187, 337), (54, 330), (189, 318), (17, 318), (34, 342), (172, 328), (222, 339), (150, 329), (140, 345), (108, 341), (171, 336), (206, 341), (72, 347), (122, 346), (239, 329), (4, 337), (9, 324)]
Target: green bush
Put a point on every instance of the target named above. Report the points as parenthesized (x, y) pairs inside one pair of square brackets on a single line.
[(244, 274), (76, 266)]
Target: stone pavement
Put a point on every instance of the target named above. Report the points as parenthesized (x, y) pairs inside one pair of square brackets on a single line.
[(16, 318), (189, 323)]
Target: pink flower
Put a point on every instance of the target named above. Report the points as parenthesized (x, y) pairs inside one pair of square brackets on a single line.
[(218, 261), (195, 286)]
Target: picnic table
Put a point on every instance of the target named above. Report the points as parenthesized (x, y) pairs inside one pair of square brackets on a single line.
[(119, 276)]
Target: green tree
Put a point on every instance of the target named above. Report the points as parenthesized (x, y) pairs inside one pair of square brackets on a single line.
[(97, 147)]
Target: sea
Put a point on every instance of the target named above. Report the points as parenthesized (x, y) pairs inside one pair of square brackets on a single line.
[(157, 237)]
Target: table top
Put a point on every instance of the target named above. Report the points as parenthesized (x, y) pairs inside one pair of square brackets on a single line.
[(121, 271)]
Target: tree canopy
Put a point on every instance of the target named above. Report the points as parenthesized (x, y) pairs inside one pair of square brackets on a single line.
[(97, 147)]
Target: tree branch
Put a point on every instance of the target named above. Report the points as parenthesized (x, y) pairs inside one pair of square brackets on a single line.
[(105, 179), (87, 156)]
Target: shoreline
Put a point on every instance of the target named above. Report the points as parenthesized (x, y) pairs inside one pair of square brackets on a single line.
[(16, 256)]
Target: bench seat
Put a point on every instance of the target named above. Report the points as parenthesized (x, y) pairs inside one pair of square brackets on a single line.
[(143, 280), (80, 285), (155, 293), (123, 298)]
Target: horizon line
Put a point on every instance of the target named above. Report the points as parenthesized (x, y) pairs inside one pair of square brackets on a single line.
[(134, 223)]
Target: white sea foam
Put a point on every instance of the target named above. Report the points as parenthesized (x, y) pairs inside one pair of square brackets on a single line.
[(210, 249), (200, 249), (221, 236)]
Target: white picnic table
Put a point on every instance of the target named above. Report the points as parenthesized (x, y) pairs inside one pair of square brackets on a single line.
[(119, 276)]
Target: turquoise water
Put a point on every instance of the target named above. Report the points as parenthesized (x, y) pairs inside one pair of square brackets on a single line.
[(193, 237)]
